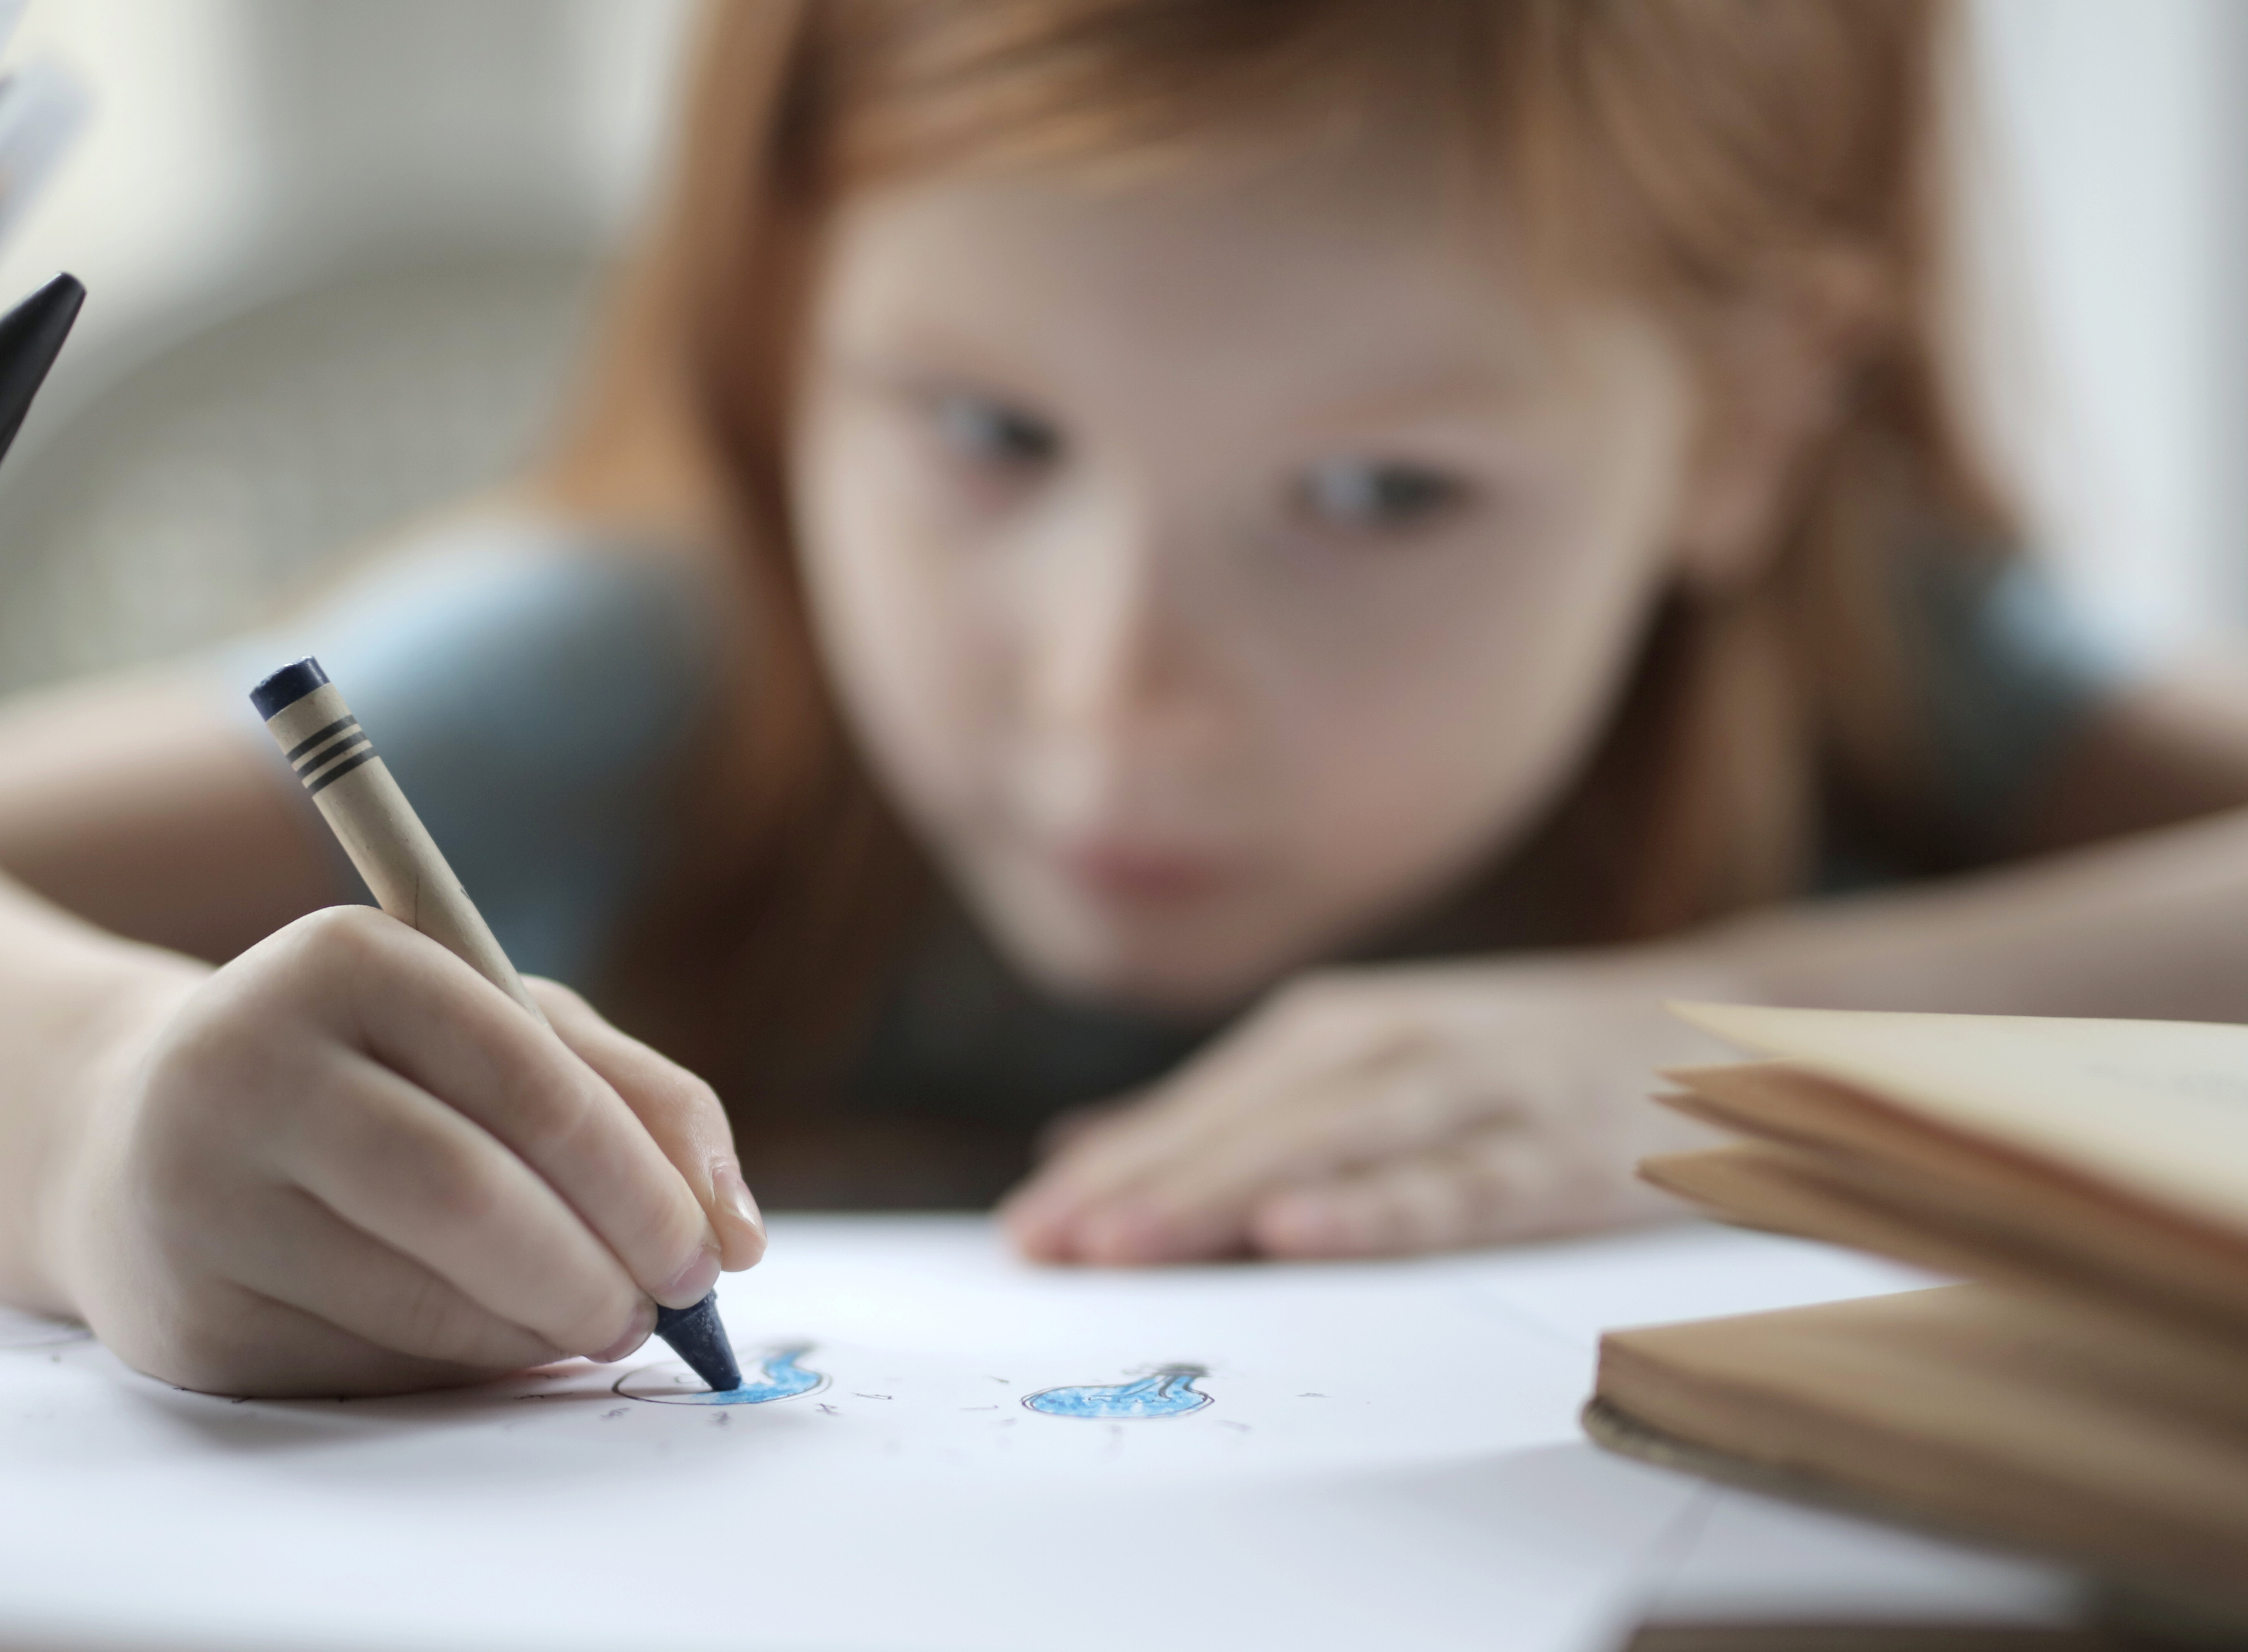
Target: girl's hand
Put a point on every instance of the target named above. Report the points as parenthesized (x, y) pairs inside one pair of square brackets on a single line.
[(347, 1164), (1382, 1111)]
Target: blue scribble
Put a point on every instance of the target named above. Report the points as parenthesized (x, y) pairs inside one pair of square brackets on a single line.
[(776, 1376), (1168, 1393)]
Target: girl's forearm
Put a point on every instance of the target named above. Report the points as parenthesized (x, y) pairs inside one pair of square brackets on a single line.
[(2153, 926), (78, 1008)]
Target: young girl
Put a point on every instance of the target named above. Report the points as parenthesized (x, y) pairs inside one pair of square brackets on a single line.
[(1289, 568)]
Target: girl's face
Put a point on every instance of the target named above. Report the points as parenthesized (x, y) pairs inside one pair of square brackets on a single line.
[(1215, 569)]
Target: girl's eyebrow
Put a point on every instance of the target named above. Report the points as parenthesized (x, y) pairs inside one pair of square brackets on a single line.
[(1456, 390), (1470, 385), (922, 358), (888, 372)]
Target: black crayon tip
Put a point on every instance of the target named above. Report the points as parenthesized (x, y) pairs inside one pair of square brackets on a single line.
[(287, 686), (32, 337), (697, 1337)]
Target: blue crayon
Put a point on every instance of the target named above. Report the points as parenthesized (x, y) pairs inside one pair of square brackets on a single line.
[(347, 781), (696, 1336)]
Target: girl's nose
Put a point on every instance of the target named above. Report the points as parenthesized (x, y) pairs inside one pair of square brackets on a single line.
[(1118, 654)]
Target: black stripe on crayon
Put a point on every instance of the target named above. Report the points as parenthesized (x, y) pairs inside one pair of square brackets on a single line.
[(347, 721), (334, 749), (345, 747), (313, 788), (332, 752)]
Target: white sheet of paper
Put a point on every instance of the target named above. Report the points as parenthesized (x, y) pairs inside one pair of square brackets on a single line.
[(1749, 1560), (1381, 1454)]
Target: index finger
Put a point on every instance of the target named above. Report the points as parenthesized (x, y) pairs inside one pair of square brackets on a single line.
[(1221, 1123), (429, 1016), (679, 1110)]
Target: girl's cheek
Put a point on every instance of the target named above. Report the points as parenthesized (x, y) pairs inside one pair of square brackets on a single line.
[(925, 668), (1446, 738), (868, 575)]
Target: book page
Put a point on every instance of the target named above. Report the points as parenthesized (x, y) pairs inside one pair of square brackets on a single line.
[(2158, 1108)]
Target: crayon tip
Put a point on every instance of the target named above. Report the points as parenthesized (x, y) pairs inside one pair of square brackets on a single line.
[(696, 1336)]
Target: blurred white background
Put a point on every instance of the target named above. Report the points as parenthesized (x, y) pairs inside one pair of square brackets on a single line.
[(2115, 162), (339, 255), (339, 251)]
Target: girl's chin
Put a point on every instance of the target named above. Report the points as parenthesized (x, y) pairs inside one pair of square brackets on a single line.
[(1193, 959), (1177, 970)]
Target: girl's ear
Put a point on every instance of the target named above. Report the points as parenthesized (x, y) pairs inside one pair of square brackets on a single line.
[(1776, 372)]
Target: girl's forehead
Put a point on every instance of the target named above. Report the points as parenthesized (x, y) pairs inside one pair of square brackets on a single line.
[(1296, 180), (1383, 279)]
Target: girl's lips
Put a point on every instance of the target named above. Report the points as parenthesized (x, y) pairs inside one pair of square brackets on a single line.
[(1136, 874)]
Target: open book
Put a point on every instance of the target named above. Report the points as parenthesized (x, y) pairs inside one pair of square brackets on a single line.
[(2086, 1396)]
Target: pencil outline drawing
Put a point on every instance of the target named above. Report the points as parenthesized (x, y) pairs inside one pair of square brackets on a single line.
[(1167, 1391), (773, 1374)]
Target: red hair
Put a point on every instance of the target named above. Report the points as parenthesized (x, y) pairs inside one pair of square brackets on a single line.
[(1698, 155)]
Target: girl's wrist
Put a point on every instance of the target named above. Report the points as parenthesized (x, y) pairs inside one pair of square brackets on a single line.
[(1733, 962), (91, 1079), (1725, 964)]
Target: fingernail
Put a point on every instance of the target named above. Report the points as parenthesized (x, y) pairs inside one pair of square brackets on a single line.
[(1122, 1235), (692, 1283), (1036, 1231), (1025, 1203), (1039, 1206), (643, 1326), (1135, 1233), (735, 1199), (1298, 1225)]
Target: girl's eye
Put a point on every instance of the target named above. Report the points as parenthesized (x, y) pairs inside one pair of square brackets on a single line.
[(1369, 495), (993, 434)]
